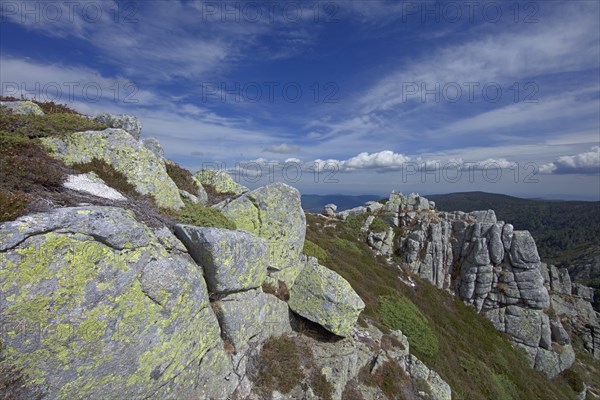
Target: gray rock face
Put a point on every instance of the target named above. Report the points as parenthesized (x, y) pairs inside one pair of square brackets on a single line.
[(373, 206), (324, 297), (22, 107), (252, 316), (329, 210), (124, 316), (585, 292), (153, 145), (490, 266), (523, 251), (560, 281), (128, 123), (437, 388), (484, 216), (382, 242), (232, 261)]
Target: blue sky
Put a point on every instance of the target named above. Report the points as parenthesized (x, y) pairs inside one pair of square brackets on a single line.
[(356, 97)]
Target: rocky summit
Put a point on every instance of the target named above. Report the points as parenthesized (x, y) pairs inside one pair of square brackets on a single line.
[(129, 277)]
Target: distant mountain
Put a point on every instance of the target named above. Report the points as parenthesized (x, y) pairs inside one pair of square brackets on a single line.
[(564, 230), (314, 203)]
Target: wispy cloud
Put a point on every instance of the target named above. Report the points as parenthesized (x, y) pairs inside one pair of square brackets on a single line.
[(282, 149)]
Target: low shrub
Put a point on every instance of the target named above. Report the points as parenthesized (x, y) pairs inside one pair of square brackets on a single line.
[(281, 291), (12, 205), (378, 225), (199, 215), (391, 379), (314, 250), (182, 178), (400, 313), (113, 178), (278, 367), (573, 379), (25, 165), (35, 126), (48, 107), (355, 222)]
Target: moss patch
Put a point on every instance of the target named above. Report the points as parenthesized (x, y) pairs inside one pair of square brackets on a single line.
[(198, 215)]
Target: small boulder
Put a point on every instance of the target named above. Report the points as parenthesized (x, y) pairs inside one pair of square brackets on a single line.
[(128, 123), (329, 210), (232, 260), (22, 107), (322, 296), (220, 181)]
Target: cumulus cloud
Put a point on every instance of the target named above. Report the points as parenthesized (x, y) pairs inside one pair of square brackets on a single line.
[(282, 149), (583, 163)]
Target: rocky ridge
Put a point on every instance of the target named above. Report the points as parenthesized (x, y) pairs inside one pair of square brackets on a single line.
[(489, 265)]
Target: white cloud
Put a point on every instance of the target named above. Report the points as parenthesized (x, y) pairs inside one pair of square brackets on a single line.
[(587, 162)]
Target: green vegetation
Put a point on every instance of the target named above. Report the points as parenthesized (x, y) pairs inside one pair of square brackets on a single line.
[(355, 222), (477, 360), (48, 107), (563, 230), (35, 126), (378, 225), (314, 250), (199, 215), (391, 378), (29, 171), (282, 364), (401, 313), (182, 177)]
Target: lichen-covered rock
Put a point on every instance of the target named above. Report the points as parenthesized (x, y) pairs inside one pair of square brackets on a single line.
[(232, 260), (128, 123), (94, 306), (92, 184), (252, 316), (274, 213), (142, 168), (324, 297), (221, 181), (22, 107)]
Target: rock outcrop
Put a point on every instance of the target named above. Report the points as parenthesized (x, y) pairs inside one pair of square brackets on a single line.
[(143, 169), (488, 264), (128, 123)]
